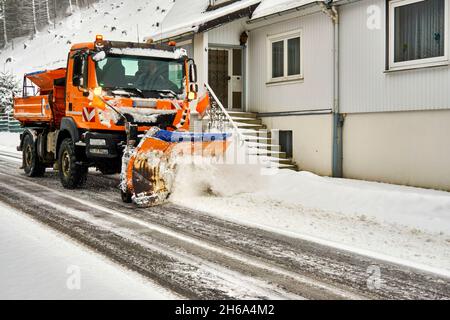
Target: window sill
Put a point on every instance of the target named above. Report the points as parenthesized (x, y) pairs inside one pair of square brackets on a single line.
[(418, 66), (284, 81)]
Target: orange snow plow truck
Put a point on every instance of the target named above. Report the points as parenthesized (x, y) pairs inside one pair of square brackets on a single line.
[(119, 107)]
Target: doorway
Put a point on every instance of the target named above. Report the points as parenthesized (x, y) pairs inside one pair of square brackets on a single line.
[(225, 75)]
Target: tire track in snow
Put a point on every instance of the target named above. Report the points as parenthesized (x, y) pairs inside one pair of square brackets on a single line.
[(307, 260), (215, 280)]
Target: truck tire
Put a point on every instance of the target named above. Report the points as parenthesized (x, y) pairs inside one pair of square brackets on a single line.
[(31, 163), (72, 174), (126, 196)]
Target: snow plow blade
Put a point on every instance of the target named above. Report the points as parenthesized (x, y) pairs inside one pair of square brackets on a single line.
[(149, 170)]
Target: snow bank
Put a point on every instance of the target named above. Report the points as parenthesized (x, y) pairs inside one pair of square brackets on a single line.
[(370, 218), (9, 141), (37, 263), (412, 207), (415, 208)]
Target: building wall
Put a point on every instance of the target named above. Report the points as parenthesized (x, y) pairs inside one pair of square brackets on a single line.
[(201, 59), (365, 86), (316, 90), (228, 34), (408, 148), (312, 140)]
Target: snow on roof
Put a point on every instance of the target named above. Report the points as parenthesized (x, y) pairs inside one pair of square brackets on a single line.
[(144, 52), (269, 7), (176, 24)]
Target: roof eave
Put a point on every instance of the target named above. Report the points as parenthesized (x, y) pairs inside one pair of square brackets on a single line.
[(285, 12), (226, 18)]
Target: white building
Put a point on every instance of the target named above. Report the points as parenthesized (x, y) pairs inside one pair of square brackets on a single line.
[(363, 85)]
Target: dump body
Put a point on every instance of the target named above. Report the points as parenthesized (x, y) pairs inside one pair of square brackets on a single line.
[(47, 104)]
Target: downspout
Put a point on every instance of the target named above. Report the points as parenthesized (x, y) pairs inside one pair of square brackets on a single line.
[(338, 118)]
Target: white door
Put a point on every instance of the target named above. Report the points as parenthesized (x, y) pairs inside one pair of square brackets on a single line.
[(225, 76)]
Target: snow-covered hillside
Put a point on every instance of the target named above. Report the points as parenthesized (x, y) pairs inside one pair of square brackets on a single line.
[(126, 20)]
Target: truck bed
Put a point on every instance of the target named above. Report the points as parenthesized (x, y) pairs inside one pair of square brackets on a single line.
[(48, 106)]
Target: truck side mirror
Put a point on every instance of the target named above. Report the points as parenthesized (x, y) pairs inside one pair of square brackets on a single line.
[(192, 73), (78, 67), (78, 81)]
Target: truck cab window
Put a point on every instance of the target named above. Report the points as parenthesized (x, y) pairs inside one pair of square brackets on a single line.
[(143, 73)]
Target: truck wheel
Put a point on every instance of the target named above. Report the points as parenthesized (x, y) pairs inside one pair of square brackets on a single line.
[(31, 163), (126, 196), (72, 174)]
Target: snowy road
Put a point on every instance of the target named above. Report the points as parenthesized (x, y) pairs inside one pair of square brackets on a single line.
[(200, 256)]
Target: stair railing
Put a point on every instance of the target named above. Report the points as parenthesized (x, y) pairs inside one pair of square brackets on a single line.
[(219, 115)]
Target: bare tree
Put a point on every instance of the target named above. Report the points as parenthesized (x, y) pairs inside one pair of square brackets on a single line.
[(3, 17), (34, 16), (70, 6), (47, 9)]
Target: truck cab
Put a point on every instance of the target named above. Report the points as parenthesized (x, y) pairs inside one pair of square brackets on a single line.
[(76, 117)]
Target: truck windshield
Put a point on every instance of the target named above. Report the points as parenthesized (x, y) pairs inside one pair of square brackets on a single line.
[(145, 74)]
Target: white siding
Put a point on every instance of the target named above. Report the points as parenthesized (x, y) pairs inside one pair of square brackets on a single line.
[(316, 90), (365, 87), (227, 34), (409, 148), (201, 59)]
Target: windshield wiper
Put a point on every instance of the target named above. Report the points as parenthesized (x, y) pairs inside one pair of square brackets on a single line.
[(173, 93), (131, 90)]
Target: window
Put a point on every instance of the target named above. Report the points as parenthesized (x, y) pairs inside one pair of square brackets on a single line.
[(144, 73), (285, 57), (417, 33)]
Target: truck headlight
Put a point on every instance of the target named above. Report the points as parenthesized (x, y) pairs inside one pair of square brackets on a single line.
[(97, 142)]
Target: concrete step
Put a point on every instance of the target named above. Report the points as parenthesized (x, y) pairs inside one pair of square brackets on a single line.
[(247, 120), (272, 154), (288, 167), (263, 146), (241, 114), (257, 139), (280, 165), (250, 126), (256, 133)]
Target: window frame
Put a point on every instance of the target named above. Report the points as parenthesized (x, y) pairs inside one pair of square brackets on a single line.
[(285, 37), (419, 63)]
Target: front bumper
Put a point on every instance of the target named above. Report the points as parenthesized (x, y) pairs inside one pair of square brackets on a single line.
[(110, 149)]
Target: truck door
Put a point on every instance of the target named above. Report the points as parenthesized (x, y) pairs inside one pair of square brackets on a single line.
[(77, 96)]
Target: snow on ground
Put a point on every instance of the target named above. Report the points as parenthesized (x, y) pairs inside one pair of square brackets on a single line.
[(402, 222), (115, 19), (387, 221), (37, 263), (9, 141), (375, 218)]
